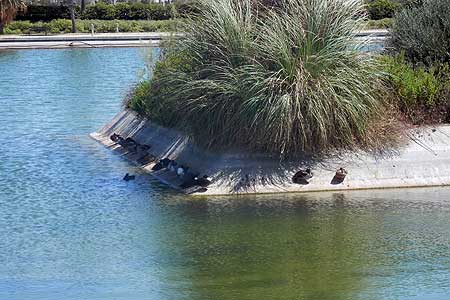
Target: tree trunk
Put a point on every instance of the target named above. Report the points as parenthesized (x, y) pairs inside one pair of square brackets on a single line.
[(83, 6), (72, 17), (1, 27)]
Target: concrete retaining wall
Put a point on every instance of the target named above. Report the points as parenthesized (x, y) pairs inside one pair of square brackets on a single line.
[(423, 161)]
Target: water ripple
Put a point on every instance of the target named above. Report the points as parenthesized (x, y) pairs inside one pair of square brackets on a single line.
[(70, 228)]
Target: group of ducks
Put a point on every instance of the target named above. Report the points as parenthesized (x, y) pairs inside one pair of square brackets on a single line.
[(129, 144), (189, 179), (303, 176)]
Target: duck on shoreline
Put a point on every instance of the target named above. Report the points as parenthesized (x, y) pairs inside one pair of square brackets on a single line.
[(302, 176)]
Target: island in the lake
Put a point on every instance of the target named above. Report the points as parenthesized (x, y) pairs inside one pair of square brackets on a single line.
[(282, 97)]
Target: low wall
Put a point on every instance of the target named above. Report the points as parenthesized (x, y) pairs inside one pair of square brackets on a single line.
[(423, 161)]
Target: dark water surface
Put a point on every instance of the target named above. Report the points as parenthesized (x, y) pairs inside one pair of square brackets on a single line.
[(71, 229)]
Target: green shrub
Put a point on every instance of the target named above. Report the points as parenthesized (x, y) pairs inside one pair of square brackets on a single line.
[(128, 26), (19, 26), (411, 3), (418, 88), (140, 97), (103, 11), (184, 9), (65, 26), (379, 24), (100, 11), (160, 25), (140, 11), (382, 9), (146, 96), (160, 12), (423, 32), (8, 30), (282, 83), (129, 11), (60, 26), (45, 13), (413, 85)]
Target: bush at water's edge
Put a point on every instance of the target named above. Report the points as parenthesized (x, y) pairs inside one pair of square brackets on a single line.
[(284, 81)]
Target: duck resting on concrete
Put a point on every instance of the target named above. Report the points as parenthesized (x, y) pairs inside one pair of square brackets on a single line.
[(163, 163), (114, 137), (182, 170), (203, 181), (192, 180), (302, 176), (340, 174)]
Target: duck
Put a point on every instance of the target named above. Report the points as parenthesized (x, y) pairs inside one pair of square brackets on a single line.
[(302, 176), (115, 137), (189, 180), (203, 181), (165, 162), (173, 166), (340, 174), (182, 170), (129, 177)]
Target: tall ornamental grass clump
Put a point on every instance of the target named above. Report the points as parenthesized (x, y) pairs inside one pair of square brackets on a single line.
[(423, 31), (283, 81)]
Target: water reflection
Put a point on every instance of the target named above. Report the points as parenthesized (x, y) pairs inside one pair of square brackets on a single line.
[(332, 246), (72, 229)]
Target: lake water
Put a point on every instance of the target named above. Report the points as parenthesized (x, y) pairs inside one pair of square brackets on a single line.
[(71, 229)]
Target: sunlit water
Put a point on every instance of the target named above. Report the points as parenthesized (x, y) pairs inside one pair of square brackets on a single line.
[(71, 229)]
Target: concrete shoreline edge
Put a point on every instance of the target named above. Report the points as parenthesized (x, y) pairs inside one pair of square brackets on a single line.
[(137, 39), (424, 161), (99, 40)]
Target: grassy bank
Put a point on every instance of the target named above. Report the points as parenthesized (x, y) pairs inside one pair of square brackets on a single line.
[(84, 26)]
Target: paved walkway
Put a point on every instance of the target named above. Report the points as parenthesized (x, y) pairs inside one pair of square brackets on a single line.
[(139, 39), (134, 39)]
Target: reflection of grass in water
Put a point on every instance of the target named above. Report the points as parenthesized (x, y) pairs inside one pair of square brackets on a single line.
[(302, 250)]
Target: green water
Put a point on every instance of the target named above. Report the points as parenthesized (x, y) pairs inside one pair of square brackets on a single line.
[(70, 228)]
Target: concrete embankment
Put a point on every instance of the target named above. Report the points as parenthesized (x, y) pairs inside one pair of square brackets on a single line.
[(143, 39), (83, 40), (423, 161)]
